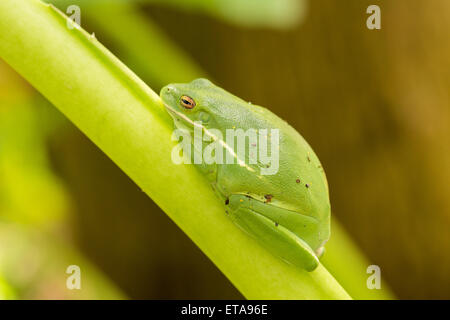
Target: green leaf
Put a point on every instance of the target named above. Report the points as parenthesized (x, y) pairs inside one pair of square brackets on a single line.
[(280, 14)]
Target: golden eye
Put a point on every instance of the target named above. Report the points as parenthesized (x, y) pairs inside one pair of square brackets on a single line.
[(187, 102)]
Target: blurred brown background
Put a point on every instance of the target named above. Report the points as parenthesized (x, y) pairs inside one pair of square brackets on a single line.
[(373, 104)]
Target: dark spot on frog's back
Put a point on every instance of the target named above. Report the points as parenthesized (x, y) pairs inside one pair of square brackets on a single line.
[(297, 181), (268, 198), (227, 201), (307, 185)]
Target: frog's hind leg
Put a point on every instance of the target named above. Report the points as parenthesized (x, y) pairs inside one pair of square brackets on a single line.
[(273, 236)]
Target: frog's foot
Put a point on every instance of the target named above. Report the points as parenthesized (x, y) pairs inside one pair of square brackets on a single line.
[(275, 237)]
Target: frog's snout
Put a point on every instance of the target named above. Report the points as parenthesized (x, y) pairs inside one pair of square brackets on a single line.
[(167, 89), (168, 94)]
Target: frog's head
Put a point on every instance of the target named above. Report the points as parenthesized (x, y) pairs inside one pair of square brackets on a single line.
[(199, 100)]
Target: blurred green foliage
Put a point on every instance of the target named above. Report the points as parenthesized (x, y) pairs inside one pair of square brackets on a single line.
[(251, 13), (35, 209), (280, 14), (34, 266), (25, 170), (6, 291)]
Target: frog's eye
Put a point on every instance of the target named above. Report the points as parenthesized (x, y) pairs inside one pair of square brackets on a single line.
[(187, 102)]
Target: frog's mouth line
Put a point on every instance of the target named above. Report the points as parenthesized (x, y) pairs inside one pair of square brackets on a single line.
[(185, 119), (193, 124)]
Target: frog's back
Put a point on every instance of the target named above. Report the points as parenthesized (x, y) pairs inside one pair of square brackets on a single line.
[(299, 184)]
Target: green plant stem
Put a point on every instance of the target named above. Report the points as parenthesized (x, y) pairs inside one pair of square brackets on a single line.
[(126, 119)]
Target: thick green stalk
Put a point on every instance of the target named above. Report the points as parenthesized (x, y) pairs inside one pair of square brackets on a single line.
[(126, 119)]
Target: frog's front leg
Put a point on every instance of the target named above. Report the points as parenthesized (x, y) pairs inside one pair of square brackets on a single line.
[(243, 210)]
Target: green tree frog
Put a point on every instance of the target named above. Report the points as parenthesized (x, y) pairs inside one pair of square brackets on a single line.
[(288, 211)]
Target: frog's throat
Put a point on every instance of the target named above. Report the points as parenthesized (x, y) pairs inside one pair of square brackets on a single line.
[(191, 124)]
